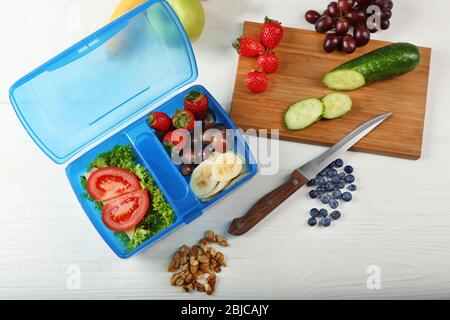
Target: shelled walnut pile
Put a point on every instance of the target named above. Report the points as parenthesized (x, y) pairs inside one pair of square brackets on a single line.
[(196, 268)]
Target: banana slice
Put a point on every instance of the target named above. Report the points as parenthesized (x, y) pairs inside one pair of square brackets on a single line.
[(227, 166), (236, 180), (202, 181), (219, 187)]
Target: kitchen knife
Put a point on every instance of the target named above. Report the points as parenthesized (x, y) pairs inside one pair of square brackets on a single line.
[(300, 177)]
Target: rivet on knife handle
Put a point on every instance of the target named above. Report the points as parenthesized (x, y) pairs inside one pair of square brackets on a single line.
[(267, 204)]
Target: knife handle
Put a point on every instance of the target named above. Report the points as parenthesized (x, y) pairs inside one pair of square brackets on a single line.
[(267, 204)]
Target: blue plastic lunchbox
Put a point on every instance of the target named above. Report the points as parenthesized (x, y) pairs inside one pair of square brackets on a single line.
[(120, 71)]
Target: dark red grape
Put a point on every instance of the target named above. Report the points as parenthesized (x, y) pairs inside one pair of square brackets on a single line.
[(386, 15), (209, 120), (345, 6), (333, 10), (331, 43), (361, 35), (389, 5), (222, 129), (380, 3), (355, 17), (385, 25), (348, 44), (324, 24), (342, 26), (363, 4), (312, 16), (326, 13), (186, 169)]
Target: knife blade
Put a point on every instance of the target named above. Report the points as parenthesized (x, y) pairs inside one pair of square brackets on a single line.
[(300, 177)]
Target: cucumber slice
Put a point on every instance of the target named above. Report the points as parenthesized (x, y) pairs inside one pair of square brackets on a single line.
[(344, 80), (384, 63), (303, 113), (336, 105)]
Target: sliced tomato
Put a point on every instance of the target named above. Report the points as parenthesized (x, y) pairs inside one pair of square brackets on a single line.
[(126, 212), (111, 182)]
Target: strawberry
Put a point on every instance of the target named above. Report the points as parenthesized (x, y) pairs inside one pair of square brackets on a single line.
[(256, 81), (248, 47), (271, 33), (183, 119), (197, 103), (175, 139), (159, 121), (268, 62)]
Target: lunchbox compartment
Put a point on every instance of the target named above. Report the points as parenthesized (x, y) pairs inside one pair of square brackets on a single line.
[(240, 146), (78, 168)]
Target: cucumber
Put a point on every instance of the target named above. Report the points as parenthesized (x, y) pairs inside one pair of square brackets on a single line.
[(384, 63), (304, 113), (336, 105)]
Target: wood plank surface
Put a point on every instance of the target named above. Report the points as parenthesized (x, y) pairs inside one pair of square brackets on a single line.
[(303, 64)]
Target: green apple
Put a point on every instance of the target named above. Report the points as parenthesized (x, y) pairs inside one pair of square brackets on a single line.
[(191, 15)]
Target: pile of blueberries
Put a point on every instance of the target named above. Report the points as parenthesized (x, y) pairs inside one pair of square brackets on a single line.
[(330, 185)]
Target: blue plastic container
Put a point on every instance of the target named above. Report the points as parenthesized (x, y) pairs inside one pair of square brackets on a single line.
[(104, 80)]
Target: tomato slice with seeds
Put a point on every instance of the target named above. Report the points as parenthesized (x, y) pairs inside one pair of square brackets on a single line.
[(126, 212), (111, 182)]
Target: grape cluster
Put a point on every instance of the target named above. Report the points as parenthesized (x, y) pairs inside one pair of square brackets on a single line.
[(352, 22)]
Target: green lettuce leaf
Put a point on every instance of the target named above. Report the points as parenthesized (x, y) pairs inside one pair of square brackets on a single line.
[(159, 216)]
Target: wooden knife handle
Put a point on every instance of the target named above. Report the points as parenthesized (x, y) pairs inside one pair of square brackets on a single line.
[(267, 204)]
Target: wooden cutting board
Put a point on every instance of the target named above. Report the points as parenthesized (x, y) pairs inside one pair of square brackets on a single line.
[(303, 65)]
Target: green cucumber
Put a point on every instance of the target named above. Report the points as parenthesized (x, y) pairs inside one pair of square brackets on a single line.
[(304, 113), (384, 63), (336, 105)]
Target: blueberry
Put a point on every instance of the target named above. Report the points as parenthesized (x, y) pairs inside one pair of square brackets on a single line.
[(323, 213), (341, 185), (313, 194), (331, 165), (350, 178), (342, 175), (314, 212), (336, 194), (319, 193), (321, 189), (325, 222), (335, 215), (325, 198), (336, 179), (352, 187), (332, 172), (338, 163), (347, 196), (311, 183), (329, 186), (348, 169), (322, 173), (320, 181), (334, 204), (312, 222)]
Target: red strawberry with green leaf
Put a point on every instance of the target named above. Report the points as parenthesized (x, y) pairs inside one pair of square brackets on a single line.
[(176, 139), (271, 33), (248, 47), (197, 103), (159, 121), (256, 81), (268, 62), (183, 119)]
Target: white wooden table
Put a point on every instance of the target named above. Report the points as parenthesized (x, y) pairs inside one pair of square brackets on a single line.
[(399, 220)]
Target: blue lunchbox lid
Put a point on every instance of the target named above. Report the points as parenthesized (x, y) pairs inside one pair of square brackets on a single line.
[(106, 78)]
